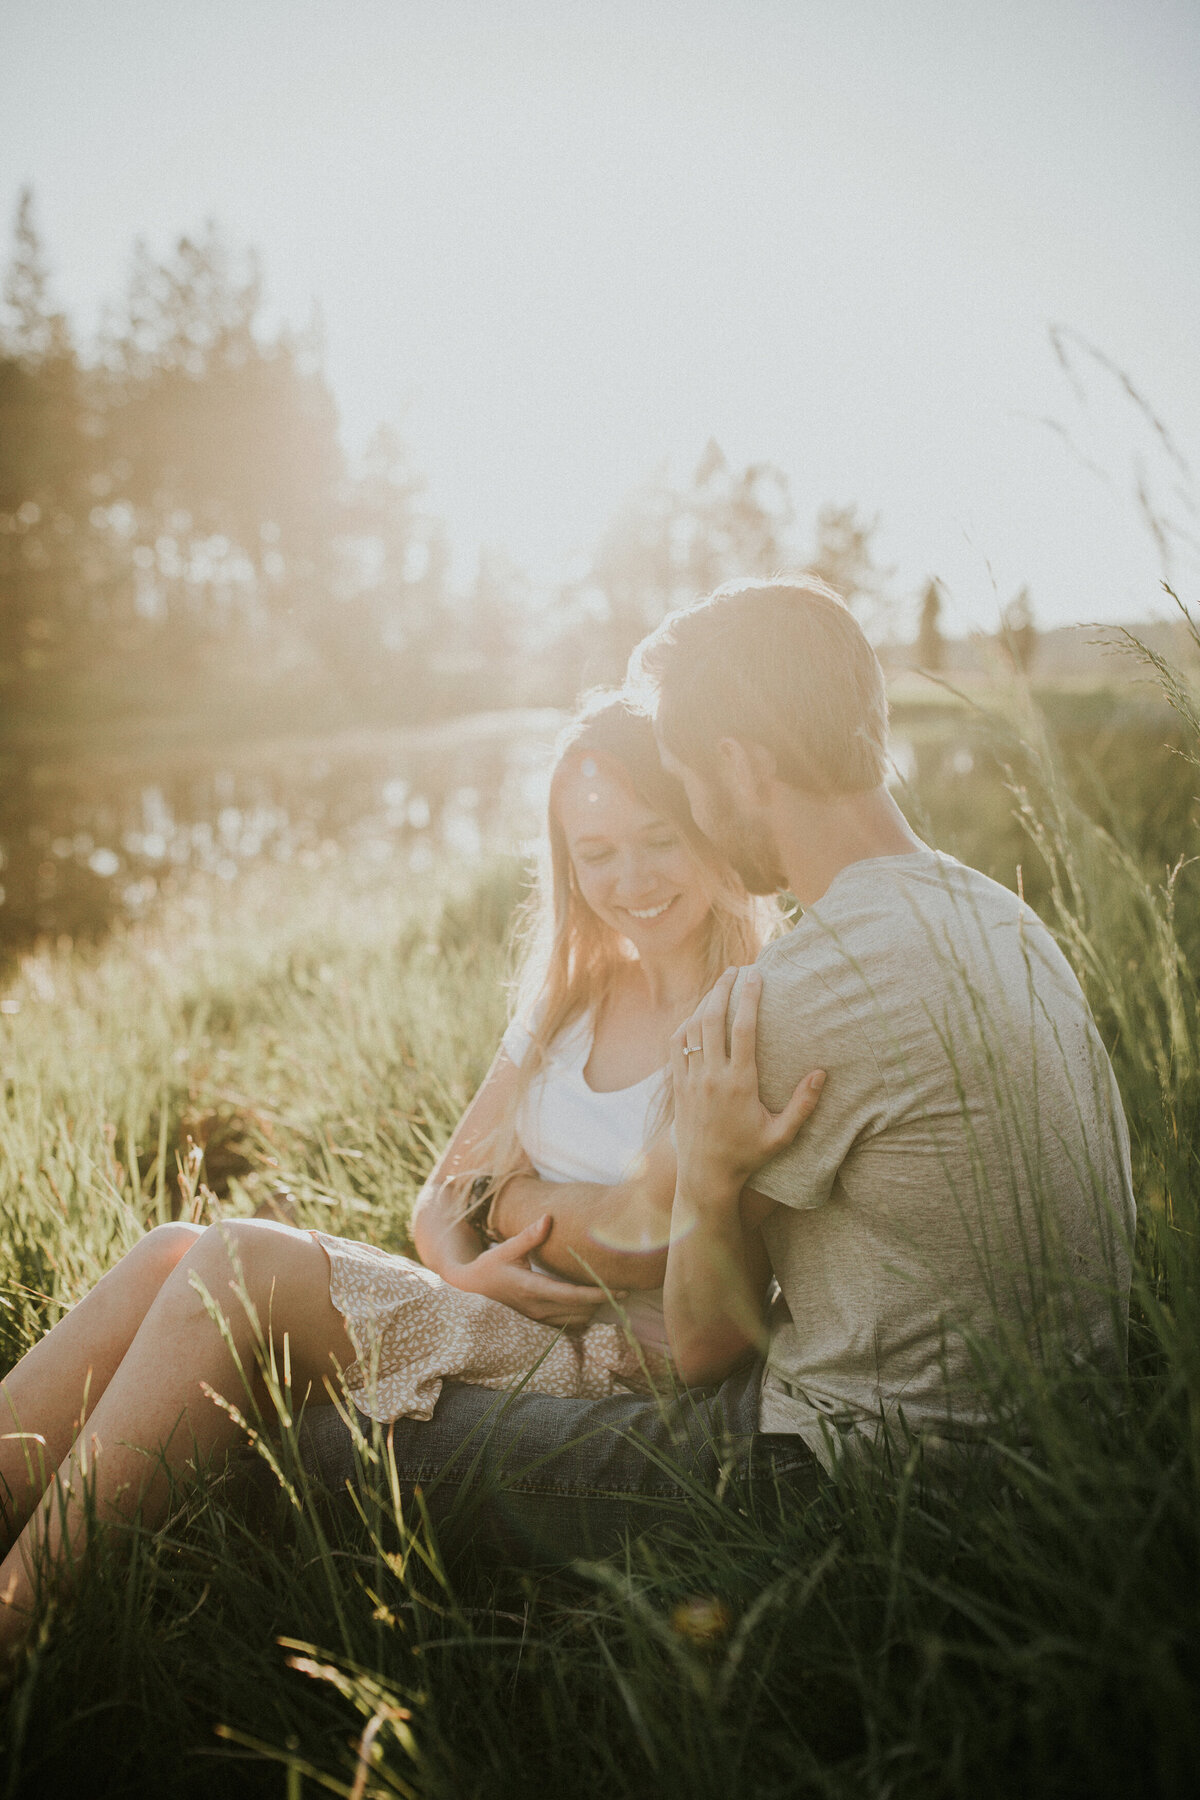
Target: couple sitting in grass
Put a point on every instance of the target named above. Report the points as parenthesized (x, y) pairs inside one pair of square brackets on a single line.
[(731, 1202)]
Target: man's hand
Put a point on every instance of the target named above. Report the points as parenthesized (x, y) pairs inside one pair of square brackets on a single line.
[(503, 1273), (722, 1129), (717, 1266)]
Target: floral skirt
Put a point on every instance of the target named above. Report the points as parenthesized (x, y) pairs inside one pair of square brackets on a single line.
[(411, 1331)]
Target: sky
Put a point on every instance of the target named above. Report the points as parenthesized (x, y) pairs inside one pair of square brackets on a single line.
[(561, 247)]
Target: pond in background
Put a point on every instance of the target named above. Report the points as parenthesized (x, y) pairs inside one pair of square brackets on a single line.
[(87, 840)]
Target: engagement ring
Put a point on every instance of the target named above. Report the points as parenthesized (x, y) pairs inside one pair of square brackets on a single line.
[(693, 1049)]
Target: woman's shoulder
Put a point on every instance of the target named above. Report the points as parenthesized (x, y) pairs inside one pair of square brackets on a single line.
[(569, 1045)]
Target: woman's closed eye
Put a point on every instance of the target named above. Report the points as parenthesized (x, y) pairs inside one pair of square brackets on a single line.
[(603, 853)]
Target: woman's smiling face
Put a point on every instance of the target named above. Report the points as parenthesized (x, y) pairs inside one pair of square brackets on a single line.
[(634, 868)]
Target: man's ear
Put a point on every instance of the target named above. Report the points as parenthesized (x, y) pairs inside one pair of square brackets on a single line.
[(749, 769)]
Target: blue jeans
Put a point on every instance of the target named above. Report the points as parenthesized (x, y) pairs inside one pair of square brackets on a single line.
[(540, 1480)]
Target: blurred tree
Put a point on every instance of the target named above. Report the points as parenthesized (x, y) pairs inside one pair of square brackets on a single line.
[(45, 455), (733, 522), (390, 588), (1018, 633), (931, 647), (492, 636), (667, 546), (34, 331), (176, 515), (844, 557), (220, 443)]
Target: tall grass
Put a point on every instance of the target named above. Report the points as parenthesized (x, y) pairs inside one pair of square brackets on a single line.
[(1029, 1628)]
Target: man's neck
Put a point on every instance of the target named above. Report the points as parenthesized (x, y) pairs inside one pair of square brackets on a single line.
[(817, 839)]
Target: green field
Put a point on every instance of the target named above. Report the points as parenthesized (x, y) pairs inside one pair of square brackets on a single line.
[(1032, 1631)]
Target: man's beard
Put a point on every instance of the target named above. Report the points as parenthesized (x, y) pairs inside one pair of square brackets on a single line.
[(746, 844)]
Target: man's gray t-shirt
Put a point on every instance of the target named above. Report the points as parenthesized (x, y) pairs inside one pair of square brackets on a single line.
[(964, 1183)]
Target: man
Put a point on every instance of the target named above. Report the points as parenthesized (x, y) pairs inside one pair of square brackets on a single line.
[(958, 1207)]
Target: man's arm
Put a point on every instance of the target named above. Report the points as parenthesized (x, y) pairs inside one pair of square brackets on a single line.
[(717, 1268), (715, 1291)]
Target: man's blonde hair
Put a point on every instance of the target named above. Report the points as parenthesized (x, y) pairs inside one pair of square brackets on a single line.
[(779, 663)]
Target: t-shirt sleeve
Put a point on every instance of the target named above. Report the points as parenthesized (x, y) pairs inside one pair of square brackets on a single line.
[(517, 1041), (803, 1026)]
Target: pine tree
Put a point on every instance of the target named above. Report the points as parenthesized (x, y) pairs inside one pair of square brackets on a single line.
[(33, 330), (45, 456), (931, 647), (222, 439), (1018, 632)]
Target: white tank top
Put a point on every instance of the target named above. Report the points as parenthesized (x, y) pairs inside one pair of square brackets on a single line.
[(571, 1133), (567, 1130)]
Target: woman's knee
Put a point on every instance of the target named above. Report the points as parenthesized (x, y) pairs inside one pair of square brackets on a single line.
[(159, 1253), (242, 1255), (265, 1279)]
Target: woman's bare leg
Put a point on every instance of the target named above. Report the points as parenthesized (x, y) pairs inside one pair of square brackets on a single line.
[(155, 1415), (43, 1399)]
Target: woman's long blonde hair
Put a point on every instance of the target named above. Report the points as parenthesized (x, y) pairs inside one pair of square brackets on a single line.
[(568, 959)]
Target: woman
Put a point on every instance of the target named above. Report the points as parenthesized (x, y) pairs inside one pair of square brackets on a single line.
[(637, 920)]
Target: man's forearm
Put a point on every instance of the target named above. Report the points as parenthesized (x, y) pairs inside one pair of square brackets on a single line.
[(715, 1287), (614, 1234)]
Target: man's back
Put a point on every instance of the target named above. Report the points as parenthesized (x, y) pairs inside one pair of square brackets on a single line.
[(965, 1178)]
